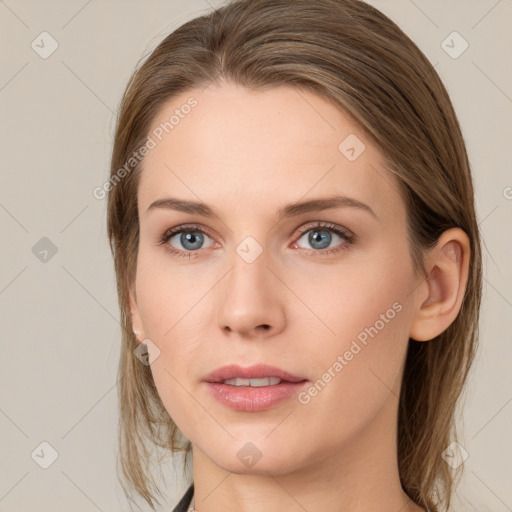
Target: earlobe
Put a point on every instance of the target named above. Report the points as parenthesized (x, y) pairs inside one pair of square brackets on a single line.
[(135, 315), (445, 284)]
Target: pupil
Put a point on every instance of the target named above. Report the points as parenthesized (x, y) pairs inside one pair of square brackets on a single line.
[(314, 239), (191, 238)]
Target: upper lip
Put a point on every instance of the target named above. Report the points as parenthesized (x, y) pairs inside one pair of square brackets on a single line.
[(257, 371)]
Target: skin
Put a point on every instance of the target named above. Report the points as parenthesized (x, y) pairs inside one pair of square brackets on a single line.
[(246, 154)]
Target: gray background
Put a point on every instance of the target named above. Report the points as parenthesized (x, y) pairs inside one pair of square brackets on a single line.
[(59, 316)]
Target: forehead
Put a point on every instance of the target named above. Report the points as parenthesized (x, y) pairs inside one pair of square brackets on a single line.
[(228, 144)]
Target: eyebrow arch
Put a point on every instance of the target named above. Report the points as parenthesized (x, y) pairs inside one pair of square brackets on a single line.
[(290, 210)]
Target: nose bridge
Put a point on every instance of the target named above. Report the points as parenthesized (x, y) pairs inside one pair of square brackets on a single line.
[(249, 268), (250, 296), (248, 279)]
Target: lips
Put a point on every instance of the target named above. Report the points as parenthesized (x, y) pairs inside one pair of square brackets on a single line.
[(258, 371), (229, 386)]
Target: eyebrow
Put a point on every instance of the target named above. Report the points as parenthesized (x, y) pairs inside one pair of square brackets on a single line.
[(290, 210)]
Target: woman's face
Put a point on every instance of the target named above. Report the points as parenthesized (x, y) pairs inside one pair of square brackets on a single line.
[(260, 282)]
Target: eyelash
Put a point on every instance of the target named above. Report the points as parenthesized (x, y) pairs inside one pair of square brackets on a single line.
[(348, 238)]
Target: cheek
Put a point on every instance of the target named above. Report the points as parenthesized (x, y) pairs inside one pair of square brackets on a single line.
[(173, 388), (365, 314), (166, 303), (349, 299), (164, 293)]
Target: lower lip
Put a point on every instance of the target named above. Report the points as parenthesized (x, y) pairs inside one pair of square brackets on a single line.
[(252, 399)]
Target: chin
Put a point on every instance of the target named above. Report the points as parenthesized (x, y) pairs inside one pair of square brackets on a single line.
[(256, 458)]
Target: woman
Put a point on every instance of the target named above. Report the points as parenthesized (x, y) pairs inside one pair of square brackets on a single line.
[(292, 220)]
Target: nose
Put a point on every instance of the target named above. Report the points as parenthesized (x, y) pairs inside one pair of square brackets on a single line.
[(251, 301)]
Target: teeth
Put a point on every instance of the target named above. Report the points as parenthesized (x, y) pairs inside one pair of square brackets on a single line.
[(255, 383)]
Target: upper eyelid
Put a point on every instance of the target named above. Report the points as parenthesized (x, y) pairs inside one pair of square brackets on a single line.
[(327, 225), (187, 227), (323, 225)]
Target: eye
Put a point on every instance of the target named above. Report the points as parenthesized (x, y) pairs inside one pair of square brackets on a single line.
[(191, 238), (320, 236)]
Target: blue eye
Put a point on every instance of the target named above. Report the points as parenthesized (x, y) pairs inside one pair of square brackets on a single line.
[(195, 239), (191, 239), (320, 236)]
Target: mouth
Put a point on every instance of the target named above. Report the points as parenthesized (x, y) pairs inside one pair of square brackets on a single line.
[(252, 389), (253, 383)]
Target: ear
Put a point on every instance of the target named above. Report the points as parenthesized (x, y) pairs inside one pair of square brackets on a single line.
[(135, 315), (439, 296)]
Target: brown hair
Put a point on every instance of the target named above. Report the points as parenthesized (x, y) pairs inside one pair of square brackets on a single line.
[(352, 55)]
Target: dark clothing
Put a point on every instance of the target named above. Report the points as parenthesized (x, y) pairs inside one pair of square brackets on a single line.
[(185, 502)]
